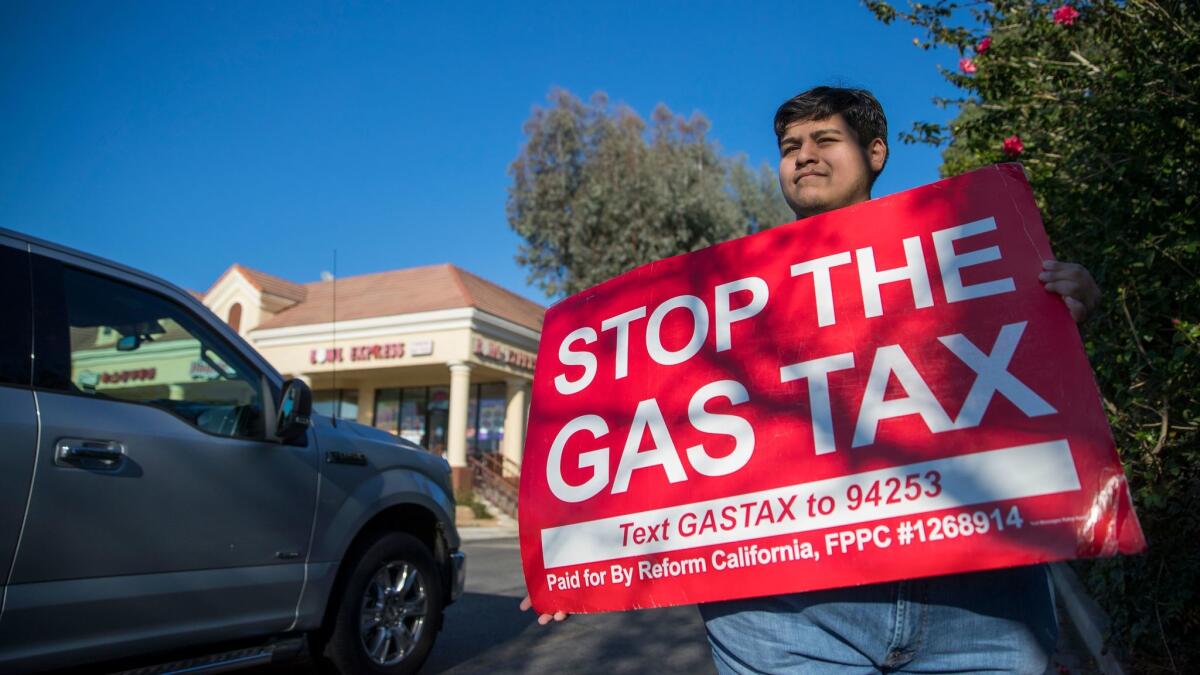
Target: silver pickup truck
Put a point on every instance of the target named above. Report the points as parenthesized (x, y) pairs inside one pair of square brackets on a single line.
[(169, 502)]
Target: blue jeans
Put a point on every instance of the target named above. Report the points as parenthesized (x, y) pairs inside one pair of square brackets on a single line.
[(1001, 621)]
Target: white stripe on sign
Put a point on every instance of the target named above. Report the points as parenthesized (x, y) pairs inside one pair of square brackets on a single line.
[(977, 478)]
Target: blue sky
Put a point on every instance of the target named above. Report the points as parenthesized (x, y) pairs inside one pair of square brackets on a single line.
[(182, 137)]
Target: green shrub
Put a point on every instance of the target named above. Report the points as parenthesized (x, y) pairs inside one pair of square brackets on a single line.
[(1105, 105)]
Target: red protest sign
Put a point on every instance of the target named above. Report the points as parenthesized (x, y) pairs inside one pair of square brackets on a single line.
[(881, 392)]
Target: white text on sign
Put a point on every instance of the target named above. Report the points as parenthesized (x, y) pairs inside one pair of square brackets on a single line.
[(963, 480)]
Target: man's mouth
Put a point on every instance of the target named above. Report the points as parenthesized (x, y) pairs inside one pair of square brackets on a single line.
[(810, 174)]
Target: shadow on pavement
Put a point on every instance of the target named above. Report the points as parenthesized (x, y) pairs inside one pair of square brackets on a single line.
[(668, 640), (474, 624)]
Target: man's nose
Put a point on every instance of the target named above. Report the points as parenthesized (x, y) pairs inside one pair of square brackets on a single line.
[(805, 154)]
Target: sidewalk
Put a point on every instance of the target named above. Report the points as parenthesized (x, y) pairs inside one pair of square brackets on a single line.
[(498, 526), (471, 532)]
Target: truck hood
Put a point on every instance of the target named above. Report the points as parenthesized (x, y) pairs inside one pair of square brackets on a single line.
[(374, 434), (384, 450)]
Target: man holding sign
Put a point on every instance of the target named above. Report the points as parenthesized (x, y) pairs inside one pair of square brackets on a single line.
[(876, 394)]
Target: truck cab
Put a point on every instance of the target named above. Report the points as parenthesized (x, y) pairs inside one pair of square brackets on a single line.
[(164, 491)]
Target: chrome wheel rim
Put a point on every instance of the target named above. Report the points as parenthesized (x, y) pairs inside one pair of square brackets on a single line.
[(392, 616)]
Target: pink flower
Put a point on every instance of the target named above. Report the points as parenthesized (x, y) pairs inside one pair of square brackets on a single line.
[(1013, 146), (984, 45), (1065, 15), (966, 65)]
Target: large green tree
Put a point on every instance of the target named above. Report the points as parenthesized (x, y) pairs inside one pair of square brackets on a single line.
[(1099, 100), (596, 191)]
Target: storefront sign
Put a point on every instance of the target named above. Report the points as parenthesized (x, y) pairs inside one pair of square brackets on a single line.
[(420, 347), (329, 355), (489, 349), (90, 379), (393, 350), (881, 392), (377, 352), (199, 370), (127, 376)]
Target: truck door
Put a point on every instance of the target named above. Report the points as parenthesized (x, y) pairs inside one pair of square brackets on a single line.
[(18, 419), (163, 513)]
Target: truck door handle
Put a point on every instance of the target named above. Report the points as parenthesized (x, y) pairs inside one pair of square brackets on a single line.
[(92, 454)]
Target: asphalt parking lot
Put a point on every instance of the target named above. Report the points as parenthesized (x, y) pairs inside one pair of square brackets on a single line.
[(485, 631)]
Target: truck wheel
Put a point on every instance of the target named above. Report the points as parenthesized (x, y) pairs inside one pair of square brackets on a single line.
[(389, 611)]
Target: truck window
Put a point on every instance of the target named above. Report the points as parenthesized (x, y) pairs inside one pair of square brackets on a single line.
[(16, 330), (128, 344)]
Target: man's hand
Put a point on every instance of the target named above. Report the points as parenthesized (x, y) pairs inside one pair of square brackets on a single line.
[(543, 619), (1074, 284)]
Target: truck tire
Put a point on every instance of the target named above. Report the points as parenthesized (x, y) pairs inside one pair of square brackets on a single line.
[(389, 611)]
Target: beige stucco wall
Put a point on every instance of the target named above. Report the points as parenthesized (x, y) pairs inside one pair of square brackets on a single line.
[(296, 359), (367, 376), (307, 352), (234, 288)]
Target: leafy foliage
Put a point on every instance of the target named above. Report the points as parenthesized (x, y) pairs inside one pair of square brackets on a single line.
[(596, 192), (1099, 101)]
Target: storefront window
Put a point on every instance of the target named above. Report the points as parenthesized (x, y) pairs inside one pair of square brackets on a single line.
[(413, 410), (340, 403), (387, 410), (422, 414), (473, 418), (485, 429), (417, 414), (439, 419)]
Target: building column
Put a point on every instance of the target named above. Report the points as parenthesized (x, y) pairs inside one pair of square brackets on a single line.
[(514, 425), (456, 431)]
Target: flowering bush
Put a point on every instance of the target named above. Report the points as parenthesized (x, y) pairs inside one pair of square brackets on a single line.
[(1104, 118), (1013, 146), (1065, 15)]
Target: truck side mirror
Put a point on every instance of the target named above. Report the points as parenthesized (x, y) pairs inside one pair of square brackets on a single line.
[(295, 410)]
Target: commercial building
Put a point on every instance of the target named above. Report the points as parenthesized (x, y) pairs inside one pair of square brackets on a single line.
[(434, 354)]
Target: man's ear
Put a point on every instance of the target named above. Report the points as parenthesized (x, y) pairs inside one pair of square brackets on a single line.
[(877, 155)]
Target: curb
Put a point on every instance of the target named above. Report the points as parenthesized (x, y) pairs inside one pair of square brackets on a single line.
[(486, 533), (1089, 620)]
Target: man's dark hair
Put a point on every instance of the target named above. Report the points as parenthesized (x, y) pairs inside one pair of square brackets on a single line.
[(859, 107)]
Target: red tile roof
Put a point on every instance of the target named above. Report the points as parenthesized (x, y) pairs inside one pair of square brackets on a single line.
[(419, 289), (266, 283)]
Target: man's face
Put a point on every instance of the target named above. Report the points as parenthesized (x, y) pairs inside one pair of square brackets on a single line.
[(823, 167)]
